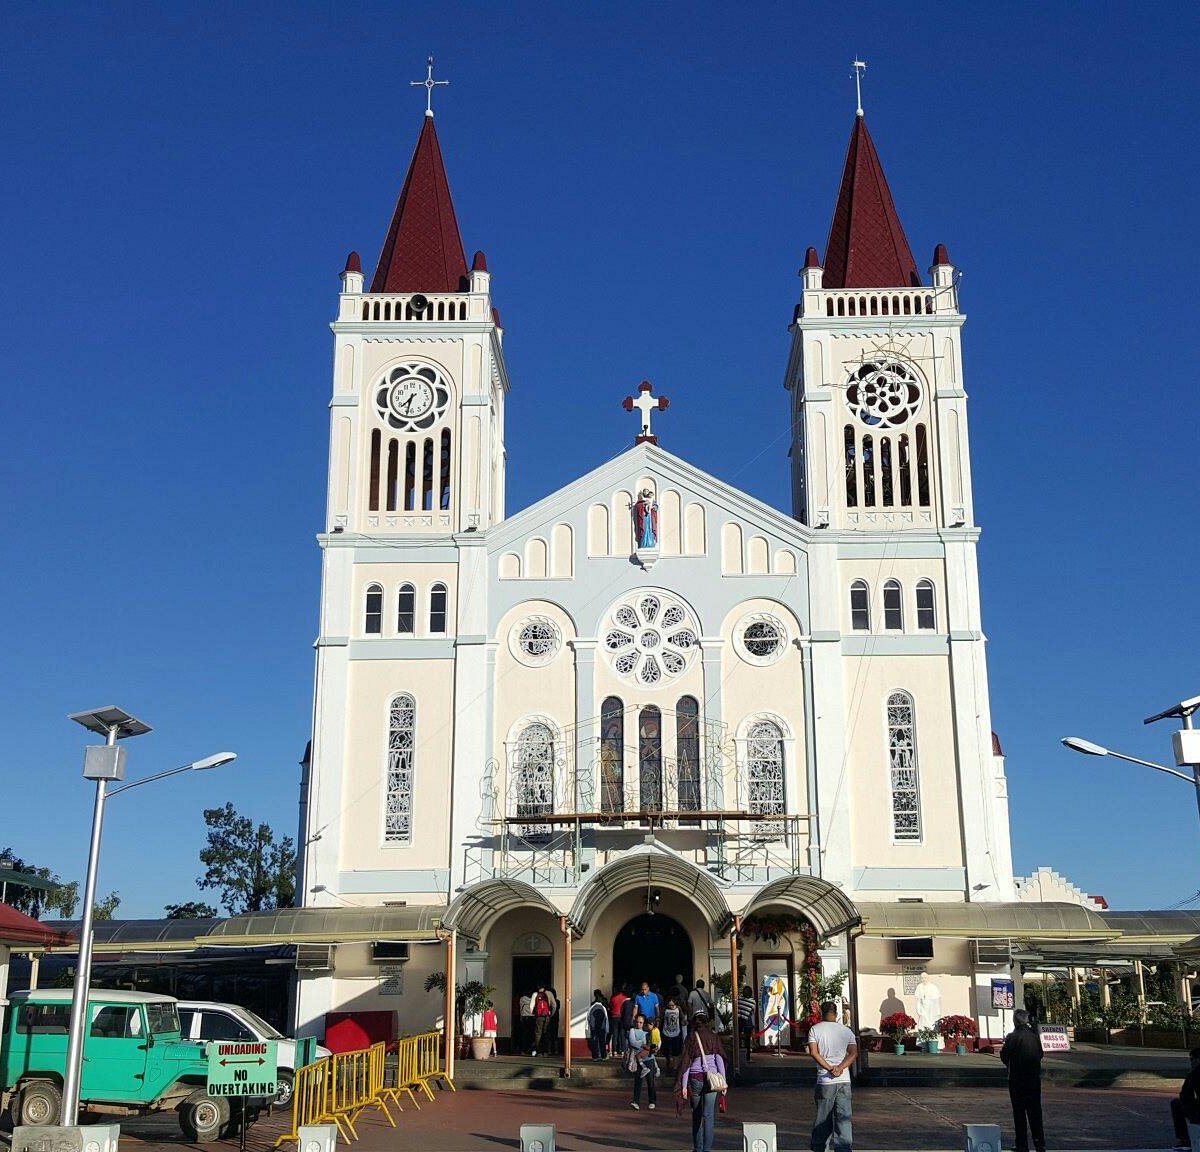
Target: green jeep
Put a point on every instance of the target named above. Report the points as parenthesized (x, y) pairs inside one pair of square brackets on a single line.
[(133, 1060)]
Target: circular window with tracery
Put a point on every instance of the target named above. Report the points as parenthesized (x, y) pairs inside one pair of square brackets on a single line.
[(883, 393), (412, 397), (651, 638), (535, 641), (761, 638)]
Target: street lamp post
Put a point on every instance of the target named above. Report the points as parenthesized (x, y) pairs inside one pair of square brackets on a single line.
[(1185, 742), (102, 763)]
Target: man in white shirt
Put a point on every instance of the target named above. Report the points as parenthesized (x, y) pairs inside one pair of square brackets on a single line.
[(834, 1047)]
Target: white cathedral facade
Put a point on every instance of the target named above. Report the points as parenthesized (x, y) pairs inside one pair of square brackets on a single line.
[(596, 737)]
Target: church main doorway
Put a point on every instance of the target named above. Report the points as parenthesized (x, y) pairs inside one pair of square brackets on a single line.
[(655, 948)]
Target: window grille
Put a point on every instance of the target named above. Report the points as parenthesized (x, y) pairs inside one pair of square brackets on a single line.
[(402, 723), (764, 774), (902, 755), (535, 771)]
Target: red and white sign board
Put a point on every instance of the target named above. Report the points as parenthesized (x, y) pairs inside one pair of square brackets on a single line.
[(1054, 1038)]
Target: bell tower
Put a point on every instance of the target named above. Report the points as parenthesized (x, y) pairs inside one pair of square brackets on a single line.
[(879, 434), (417, 439)]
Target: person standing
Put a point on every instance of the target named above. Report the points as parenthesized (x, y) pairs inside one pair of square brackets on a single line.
[(648, 1003), (700, 1001), (745, 1016), (639, 1051), (618, 1028), (672, 1032), (491, 1026), (1185, 1108), (544, 1006), (702, 1053), (525, 1016), (597, 1026), (1022, 1056), (834, 1047)]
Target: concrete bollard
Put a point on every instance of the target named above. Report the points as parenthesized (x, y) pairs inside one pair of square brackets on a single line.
[(758, 1138), (317, 1138), (983, 1138), (537, 1137), (76, 1138)]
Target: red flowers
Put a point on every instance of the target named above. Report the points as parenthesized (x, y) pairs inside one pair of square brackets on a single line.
[(954, 1029), (897, 1024)]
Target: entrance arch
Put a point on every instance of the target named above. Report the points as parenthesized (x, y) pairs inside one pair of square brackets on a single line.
[(655, 948)]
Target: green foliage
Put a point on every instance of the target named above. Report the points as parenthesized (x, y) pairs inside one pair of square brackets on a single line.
[(106, 909), (1169, 1017), (253, 872), (1120, 1011), (470, 998), (192, 910), (63, 898)]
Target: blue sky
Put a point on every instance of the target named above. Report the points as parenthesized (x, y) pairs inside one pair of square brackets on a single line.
[(184, 183)]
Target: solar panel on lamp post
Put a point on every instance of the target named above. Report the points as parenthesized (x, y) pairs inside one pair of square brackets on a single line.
[(103, 763)]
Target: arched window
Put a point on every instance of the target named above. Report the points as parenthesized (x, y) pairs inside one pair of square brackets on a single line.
[(860, 606), (402, 727), (893, 606), (406, 610), (612, 755), (444, 485), (373, 613), (650, 759), (902, 762), (534, 772), (437, 609), (868, 468), (373, 489), (851, 469), (764, 774), (926, 616), (687, 753)]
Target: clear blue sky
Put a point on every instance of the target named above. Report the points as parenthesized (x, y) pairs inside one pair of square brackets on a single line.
[(183, 183)]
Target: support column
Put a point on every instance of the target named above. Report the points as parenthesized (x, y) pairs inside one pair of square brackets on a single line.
[(736, 985), (863, 1066), (564, 1009), (711, 648), (587, 794), (451, 1022), (35, 963)]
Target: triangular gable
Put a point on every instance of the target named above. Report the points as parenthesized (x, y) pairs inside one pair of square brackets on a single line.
[(670, 472)]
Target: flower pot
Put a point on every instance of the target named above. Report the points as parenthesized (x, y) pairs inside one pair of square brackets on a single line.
[(931, 1046), (961, 1049), (481, 1047), (898, 1048)]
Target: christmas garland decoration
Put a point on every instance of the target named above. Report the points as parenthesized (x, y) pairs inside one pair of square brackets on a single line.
[(772, 928)]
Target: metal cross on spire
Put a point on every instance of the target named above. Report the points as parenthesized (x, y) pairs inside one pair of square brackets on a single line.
[(645, 404), (429, 84), (860, 67)]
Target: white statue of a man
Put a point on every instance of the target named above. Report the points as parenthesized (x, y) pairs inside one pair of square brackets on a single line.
[(929, 1002)]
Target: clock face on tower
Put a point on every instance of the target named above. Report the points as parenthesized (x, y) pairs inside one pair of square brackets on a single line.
[(412, 397)]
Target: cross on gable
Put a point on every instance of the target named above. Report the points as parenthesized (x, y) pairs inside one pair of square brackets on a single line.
[(645, 404), (429, 84)]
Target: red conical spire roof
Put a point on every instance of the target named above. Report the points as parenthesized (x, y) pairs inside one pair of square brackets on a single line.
[(867, 247), (423, 251)]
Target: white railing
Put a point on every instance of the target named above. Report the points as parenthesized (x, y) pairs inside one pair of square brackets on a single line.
[(389, 309), (846, 303)]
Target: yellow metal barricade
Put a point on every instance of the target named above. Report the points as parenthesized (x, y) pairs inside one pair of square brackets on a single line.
[(313, 1100)]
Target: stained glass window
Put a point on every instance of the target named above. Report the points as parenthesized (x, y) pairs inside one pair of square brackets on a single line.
[(650, 759), (764, 773), (612, 755), (687, 752), (402, 723), (535, 771), (902, 756)]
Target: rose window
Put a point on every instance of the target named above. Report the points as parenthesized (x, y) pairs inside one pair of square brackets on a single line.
[(883, 394), (650, 639), (535, 640), (761, 638)]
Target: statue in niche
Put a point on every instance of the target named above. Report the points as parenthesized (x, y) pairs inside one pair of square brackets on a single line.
[(929, 1002), (773, 1010), (645, 519)]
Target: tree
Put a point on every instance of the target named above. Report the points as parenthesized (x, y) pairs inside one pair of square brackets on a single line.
[(106, 909), (33, 901), (191, 910), (253, 872)]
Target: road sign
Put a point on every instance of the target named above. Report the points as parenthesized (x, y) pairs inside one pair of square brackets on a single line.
[(242, 1068)]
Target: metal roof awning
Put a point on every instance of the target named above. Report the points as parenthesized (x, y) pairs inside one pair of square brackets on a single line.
[(327, 926), (642, 867), (1018, 920), (1109, 954), (473, 910), (827, 907), (1176, 926), (143, 935), (29, 934)]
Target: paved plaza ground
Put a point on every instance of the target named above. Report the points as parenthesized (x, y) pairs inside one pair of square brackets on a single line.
[(600, 1120)]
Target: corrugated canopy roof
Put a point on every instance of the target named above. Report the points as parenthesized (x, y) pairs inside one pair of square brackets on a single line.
[(155, 935), (1026, 921), (828, 908), (1173, 926), (472, 911), (329, 925)]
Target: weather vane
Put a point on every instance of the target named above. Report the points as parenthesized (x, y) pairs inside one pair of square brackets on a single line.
[(429, 84), (860, 66)]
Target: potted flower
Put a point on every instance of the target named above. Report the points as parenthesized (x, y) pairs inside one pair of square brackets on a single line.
[(955, 1030), (927, 1038), (897, 1026)]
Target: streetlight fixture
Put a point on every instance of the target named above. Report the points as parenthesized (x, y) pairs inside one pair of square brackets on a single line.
[(1185, 742), (102, 763)]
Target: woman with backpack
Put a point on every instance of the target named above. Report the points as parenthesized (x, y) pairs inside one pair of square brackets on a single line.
[(597, 1026), (702, 1080)]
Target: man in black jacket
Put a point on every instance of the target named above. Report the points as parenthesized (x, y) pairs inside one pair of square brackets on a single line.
[(1185, 1108), (1022, 1056)]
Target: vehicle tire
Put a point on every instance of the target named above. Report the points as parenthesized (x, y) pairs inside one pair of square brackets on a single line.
[(40, 1103), (286, 1084), (203, 1117)]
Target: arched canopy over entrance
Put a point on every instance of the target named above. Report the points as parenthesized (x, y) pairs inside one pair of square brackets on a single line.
[(827, 908), (472, 911), (644, 867)]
